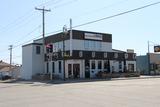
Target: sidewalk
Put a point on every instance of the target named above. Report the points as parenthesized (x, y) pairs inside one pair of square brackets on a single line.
[(75, 80)]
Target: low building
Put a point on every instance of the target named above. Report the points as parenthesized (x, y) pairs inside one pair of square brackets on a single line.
[(12, 71), (77, 54), (149, 63)]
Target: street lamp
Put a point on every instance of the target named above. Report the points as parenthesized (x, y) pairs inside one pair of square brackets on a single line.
[(65, 31)]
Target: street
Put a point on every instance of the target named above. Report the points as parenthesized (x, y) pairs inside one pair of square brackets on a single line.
[(117, 93)]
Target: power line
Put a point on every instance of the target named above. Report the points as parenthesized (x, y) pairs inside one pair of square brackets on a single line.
[(95, 21), (50, 2), (108, 17), (26, 42), (65, 4), (28, 34), (17, 21), (99, 9)]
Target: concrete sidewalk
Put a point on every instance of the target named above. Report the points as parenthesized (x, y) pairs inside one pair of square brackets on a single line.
[(75, 80)]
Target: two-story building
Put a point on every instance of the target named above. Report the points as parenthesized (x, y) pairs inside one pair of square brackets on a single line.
[(80, 55)]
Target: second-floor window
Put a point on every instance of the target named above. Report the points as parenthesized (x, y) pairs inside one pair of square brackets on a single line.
[(38, 50), (92, 45)]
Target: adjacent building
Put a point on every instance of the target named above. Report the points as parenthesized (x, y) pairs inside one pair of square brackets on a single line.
[(6, 70), (149, 63), (77, 54)]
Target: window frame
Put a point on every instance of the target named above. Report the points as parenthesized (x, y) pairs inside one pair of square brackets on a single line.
[(60, 66), (38, 50), (93, 64), (99, 66)]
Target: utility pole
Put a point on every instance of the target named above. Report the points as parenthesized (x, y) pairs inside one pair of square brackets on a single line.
[(149, 59), (10, 48), (43, 30), (64, 34), (71, 34)]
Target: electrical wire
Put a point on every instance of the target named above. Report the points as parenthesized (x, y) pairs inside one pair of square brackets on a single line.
[(26, 42), (109, 17), (28, 34), (65, 4), (94, 21), (119, 14), (99, 9), (50, 2), (18, 21)]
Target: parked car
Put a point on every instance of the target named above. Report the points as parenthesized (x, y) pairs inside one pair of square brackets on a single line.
[(6, 77)]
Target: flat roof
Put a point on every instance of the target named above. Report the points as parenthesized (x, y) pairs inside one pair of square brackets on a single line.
[(32, 44)]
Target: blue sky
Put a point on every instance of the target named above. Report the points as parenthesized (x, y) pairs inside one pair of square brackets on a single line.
[(20, 22)]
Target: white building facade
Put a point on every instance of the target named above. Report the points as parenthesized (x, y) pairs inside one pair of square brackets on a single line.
[(80, 55)]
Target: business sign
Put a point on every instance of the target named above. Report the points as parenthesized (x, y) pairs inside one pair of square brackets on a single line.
[(157, 48), (130, 51), (93, 36)]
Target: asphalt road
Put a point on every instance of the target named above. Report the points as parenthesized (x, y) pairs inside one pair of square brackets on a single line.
[(118, 93)]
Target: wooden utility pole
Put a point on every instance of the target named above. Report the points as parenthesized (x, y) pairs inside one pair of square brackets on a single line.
[(43, 30)]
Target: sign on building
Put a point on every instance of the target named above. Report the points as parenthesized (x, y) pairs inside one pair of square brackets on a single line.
[(93, 36), (157, 48)]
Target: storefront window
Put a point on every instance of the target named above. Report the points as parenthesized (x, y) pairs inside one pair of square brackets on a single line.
[(93, 64), (47, 67), (53, 67), (105, 64), (131, 67), (60, 68), (99, 64), (120, 64), (69, 70)]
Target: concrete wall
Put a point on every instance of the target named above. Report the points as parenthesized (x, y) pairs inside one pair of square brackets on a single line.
[(32, 63), (37, 61), (27, 64)]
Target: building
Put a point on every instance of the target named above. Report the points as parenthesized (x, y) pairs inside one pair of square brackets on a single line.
[(12, 71), (85, 54), (149, 63)]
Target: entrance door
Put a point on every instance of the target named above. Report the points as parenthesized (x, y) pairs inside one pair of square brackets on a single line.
[(76, 70), (70, 75)]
